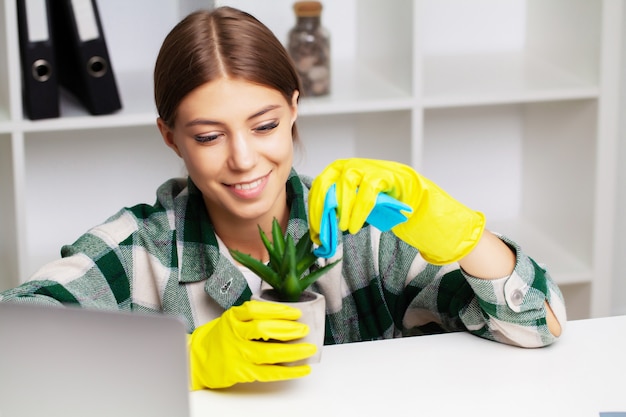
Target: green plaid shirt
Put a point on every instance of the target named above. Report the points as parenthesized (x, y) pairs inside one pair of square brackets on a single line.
[(167, 258)]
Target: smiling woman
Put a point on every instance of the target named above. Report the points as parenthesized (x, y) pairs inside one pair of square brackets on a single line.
[(227, 97), (235, 139), (227, 103)]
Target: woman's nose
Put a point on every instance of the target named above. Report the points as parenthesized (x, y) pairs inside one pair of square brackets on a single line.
[(243, 155)]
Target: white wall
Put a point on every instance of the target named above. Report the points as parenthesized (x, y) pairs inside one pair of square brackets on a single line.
[(619, 275)]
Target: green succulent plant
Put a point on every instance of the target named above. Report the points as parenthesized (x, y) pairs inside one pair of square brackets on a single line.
[(288, 263)]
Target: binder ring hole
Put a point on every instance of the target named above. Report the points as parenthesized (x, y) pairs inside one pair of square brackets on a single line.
[(97, 66), (42, 70)]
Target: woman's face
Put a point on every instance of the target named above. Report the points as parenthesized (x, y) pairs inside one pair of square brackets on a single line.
[(235, 139)]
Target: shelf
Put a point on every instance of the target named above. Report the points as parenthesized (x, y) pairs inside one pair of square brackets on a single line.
[(498, 78), (565, 268), (136, 93), (138, 109), (357, 89)]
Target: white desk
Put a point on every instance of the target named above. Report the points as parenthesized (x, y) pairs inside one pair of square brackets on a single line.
[(582, 374)]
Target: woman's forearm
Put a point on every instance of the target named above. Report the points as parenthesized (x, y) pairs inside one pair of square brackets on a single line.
[(493, 259)]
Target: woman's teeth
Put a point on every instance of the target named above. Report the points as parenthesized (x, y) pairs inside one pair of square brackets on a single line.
[(248, 186)]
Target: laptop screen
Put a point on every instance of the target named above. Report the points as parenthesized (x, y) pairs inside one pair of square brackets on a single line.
[(70, 362)]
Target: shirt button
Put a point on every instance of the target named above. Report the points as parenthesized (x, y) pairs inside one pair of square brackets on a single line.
[(517, 297)]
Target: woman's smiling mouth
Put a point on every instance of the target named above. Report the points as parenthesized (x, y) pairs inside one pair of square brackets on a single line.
[(250, 189), (249, 185)]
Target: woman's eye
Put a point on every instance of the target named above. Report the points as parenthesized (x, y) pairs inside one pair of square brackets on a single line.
[(266, 127), (206, 138)]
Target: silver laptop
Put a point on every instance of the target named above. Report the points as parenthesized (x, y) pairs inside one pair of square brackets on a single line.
[(66, 362)]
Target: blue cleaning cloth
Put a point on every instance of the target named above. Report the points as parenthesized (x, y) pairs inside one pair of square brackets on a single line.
[(385, 215)]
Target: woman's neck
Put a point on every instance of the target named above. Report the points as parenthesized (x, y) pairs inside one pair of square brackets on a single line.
[(243, 235)]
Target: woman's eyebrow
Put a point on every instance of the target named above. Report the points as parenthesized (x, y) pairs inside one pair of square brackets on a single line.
[(197, 122), (264, 110)]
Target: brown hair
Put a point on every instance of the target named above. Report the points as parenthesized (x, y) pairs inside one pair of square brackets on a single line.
[(207, 45)]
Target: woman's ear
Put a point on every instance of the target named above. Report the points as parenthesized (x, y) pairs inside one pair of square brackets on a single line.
[(294, 106), (168, 136)]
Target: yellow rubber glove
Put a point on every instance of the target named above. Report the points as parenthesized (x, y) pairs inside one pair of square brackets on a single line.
[(234, 347), (441, 228)]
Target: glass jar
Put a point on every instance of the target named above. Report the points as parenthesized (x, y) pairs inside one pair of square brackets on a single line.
[(309, 47)]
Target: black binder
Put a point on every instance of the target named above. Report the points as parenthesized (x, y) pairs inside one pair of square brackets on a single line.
[(40, 89), (82, 56)]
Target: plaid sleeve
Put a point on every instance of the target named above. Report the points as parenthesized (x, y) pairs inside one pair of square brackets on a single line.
[(512, 309), (91, 273)]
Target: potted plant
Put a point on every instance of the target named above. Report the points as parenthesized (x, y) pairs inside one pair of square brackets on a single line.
[(288, 274)]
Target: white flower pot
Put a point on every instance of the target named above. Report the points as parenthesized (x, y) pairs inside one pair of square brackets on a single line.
[(313, 307)]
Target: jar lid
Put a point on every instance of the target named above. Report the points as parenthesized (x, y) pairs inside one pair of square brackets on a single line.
[(307, 8)]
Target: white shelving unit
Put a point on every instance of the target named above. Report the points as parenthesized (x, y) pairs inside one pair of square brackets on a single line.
[(507, 104)]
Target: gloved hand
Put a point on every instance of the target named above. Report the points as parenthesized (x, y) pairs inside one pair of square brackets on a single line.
[(441, 228), (234, 347)]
